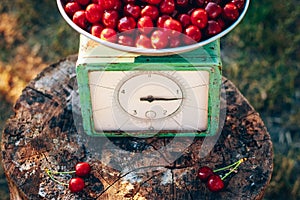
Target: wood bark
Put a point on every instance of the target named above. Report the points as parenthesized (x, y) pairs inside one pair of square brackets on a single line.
[(45, 133)]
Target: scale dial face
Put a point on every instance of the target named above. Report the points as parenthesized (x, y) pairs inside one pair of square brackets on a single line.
[(149, 101), (150, 96)]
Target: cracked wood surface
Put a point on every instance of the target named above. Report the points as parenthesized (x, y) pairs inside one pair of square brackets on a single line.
[(46, 132)]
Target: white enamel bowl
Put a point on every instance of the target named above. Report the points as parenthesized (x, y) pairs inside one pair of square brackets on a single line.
[(153, 52)]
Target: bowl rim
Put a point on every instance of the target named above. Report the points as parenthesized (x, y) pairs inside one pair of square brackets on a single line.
[(152, 52)]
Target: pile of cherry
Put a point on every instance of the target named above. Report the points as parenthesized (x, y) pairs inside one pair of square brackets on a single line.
[(153, 23)]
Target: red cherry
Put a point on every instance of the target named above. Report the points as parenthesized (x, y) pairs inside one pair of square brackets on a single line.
[(129, 1), (76, 184), (109, 34), (96, 30), (184, 19), (125, 40), (143, 41), (174, 42), (126, 24), (193, 35), (182, 3), (167, 6), (161, 20), (230, 12), (239, 3), (219, 2), (200, 3), (221, 23), (213, 10), (108, 4), (213, 28), (82, 169), (159, 39), (151, 11), (110, 18), (215, 183), (204, 172), (145, 24), (83, 2), (71, 8), (132, 10), (93, 13), (154, 2), (174, 27), (79, 19), (190, 11), (199, 18), (118, 6)]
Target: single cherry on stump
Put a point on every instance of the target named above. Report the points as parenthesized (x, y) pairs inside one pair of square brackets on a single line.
[(204, 173), (215, 183), (76, 184), (82, 169)]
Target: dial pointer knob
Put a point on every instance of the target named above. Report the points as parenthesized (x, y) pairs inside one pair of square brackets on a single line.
[(151, 98)]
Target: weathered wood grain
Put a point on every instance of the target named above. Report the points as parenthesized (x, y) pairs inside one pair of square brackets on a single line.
[(46, 132)]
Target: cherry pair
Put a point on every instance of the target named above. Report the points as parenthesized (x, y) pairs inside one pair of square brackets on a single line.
[(213, 181), (76, 184)]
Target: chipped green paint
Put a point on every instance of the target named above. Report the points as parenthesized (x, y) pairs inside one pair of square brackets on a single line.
[(206, 58)]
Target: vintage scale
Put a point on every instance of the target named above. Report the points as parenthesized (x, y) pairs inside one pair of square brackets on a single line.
[(126, 91)]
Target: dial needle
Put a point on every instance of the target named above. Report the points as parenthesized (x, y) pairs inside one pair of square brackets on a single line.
[(151, 98)]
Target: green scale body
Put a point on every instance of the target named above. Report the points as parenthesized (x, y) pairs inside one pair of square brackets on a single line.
[(129, 95)]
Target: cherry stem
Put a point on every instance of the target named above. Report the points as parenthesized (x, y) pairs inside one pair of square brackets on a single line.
[(236, 165), (50, 174)]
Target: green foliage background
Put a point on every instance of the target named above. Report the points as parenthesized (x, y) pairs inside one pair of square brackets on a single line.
[(261, 56)]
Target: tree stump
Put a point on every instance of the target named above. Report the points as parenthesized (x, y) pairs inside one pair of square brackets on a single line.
[(45, 133)]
